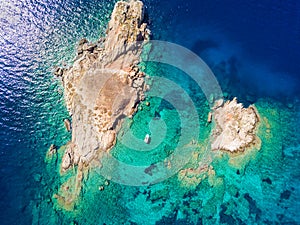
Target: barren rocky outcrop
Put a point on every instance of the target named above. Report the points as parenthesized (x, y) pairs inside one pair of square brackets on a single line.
[(103, 86), (235, 126)]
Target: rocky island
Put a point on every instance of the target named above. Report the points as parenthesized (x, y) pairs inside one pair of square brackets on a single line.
[(235, 126), (103, 86)]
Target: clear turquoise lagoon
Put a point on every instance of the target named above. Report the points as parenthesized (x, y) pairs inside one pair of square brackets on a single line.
[(253, 49)]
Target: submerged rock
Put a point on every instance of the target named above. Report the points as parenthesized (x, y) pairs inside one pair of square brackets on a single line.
[(235, 126), (51, 153), (52, 150)]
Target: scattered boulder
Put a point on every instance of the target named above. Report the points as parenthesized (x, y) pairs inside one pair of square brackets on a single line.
[(219, 103), (52, 150), (68, 157), (80, 45), (58, 72), (37, 177), (67, 124), (66, 162), (83, 41), (285, 195)]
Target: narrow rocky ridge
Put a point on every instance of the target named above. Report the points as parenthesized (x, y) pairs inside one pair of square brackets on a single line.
[(101, 88), (105, 85)]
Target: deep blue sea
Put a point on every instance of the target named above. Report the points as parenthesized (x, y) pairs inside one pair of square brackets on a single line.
[(253, 48)]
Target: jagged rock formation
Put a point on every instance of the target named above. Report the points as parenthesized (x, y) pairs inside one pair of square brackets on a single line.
[(235, 126), (103, 86)]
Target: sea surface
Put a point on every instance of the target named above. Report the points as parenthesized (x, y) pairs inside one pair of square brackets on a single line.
[(253, 49)]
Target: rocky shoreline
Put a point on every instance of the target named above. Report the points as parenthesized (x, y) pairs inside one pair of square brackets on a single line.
[(235, 126), (103, 86)]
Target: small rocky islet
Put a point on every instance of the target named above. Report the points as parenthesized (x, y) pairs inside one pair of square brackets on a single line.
[(105, 85)]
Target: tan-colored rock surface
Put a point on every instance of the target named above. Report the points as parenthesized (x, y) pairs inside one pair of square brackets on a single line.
[(235, 126), (104, 85)]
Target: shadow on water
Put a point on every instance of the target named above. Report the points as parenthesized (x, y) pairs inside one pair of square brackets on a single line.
[(202, 45)]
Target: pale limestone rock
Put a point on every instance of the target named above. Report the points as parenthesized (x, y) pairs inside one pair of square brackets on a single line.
[(235, 126), (68, 158), (104, 85), (67, 124), (126, 26), (218, 103)]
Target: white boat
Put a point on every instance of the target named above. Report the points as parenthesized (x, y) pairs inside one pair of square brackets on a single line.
[(147, 139)]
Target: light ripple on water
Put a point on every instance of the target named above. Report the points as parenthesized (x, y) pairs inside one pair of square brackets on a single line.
[(34, 36)]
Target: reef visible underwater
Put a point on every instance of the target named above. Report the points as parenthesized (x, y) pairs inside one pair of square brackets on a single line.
[(154, 112)]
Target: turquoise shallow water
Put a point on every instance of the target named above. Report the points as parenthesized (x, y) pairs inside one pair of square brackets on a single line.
[(249, 51)]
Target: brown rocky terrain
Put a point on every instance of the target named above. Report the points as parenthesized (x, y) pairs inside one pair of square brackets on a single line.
[(103, 86)]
